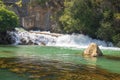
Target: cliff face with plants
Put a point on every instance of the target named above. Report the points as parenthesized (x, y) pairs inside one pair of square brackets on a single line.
[(36, 14), (96, 18)]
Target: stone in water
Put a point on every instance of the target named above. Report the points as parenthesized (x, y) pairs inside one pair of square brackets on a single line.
[(93, 51)]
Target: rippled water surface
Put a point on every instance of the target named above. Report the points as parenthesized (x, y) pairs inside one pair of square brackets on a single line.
[(55, 63)]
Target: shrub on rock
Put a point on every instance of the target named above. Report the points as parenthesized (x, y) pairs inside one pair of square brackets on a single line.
[(8, 20)]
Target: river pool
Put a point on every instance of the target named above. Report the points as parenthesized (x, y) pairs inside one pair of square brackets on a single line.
[(56, 63)]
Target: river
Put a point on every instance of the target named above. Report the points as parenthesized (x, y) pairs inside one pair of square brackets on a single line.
[(25, 62)]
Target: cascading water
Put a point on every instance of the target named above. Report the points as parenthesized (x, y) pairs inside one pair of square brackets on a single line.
[(52, 39), (78, 40)]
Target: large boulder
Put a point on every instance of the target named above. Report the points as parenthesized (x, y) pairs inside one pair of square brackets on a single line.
[(92, 51)]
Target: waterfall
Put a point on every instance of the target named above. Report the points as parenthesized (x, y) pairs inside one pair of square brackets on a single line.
[(78, 40), (53, 39)]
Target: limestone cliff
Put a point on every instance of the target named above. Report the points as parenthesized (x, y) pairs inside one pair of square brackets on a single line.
[(33, 15)]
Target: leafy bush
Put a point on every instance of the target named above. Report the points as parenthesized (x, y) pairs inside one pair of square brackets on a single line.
[(116, 39), (106, 32), (8, 20), (1, 4)]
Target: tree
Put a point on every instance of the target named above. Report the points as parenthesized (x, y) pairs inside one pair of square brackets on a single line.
[(106, 30), (87, 15), (96, 18), (66, 20), (8, 20), (81, 16), (116, 39)]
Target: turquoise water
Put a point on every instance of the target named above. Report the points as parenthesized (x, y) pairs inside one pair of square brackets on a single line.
[(16, 63), (7, 75)]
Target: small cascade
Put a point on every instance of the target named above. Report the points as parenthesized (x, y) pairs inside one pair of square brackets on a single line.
[(52, 39), (79, 40), (15, 37)]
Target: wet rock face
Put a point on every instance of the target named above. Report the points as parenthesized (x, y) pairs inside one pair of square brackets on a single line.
[(6, 38), (93, 51)]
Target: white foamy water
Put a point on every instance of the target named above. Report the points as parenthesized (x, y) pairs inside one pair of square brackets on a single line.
[(53, 39)]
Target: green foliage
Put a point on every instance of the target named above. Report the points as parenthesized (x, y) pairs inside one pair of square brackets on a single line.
[(85, 14), (8, 20), (1, 4), (42, 3), (80, 16), (117, 15), (96, 18), (19, 3), (66, 19), (116, 39), (106, 30)]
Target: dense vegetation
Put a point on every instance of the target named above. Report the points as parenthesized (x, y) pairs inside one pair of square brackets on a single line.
[(8, 19), (96, 18)]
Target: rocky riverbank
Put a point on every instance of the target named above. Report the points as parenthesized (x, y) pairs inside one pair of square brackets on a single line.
[(6, 38)]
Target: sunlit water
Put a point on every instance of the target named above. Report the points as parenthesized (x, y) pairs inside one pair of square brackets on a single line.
[(56, 63)]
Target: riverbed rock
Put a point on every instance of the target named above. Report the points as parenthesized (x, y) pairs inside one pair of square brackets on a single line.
[(6, 38), (93, 51)]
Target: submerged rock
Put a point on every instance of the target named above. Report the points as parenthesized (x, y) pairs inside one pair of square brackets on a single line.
[(93, 51)]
